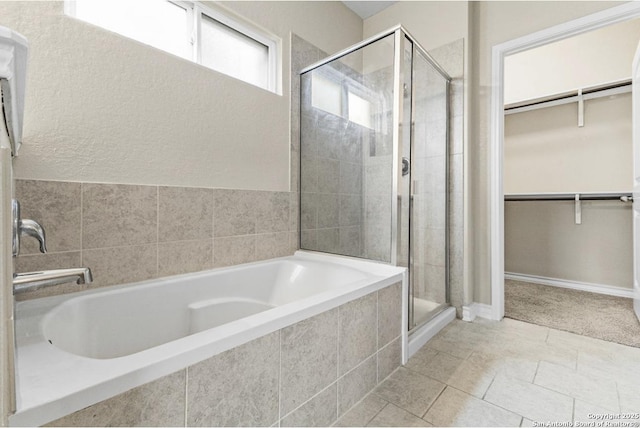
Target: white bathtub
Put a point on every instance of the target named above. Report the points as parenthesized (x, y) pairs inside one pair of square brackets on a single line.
[(78, 349)]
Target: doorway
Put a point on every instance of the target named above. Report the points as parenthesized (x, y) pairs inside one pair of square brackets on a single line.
[(500, 52)]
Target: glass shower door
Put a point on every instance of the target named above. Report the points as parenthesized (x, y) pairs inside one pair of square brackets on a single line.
[(428, 241)]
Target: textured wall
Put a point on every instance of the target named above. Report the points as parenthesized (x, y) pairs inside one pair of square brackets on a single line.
[(306, 374), (107, 109)]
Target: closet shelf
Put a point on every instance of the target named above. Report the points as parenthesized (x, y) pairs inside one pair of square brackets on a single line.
[(577, 198), (586, 196), (575, 96)]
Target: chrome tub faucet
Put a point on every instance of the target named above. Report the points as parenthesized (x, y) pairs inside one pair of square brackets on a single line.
[(31, 281)]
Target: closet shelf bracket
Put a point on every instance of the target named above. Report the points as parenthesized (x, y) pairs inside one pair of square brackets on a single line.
[(578, 208), (580, 109)]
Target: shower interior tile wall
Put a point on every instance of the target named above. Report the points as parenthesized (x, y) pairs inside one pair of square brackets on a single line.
[(307, 374), (128, 233), (346, 176)]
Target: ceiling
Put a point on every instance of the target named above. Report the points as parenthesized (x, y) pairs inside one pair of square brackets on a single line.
[(366, 9)]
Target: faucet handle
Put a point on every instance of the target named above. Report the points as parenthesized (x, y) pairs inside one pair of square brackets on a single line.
[(25, 227), (33, 229)]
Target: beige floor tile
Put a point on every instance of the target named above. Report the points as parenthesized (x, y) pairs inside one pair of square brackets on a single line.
[(393, 416), (526, 422), (519, 347), (629, 397), (584, 343), (583, 410), (514, 328), (560, 355), (472, 377), (363, 412), (439, 366), (470, 333), (451, 346), (456, 408), (617, 367), (520, 366), (531, 401), (584, 387), (410, 391)]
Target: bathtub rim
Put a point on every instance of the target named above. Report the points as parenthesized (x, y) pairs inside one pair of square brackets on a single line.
[(136, 370)]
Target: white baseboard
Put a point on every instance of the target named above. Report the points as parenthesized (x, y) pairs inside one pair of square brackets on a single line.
[(426, 332), (574, 285), (470, 312)]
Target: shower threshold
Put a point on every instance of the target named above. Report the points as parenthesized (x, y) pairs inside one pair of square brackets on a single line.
[(420, 335)]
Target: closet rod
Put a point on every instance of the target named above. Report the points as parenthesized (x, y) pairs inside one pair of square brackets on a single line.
[(611, 196), (605, 90)]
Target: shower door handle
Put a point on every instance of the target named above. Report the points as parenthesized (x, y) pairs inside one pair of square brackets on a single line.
[(405, 166)]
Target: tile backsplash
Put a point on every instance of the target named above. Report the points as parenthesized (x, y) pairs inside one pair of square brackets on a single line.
[(128, 233)]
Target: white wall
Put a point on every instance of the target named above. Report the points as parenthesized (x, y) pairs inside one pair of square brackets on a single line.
[(104, 108), (596, 57), (546, 151), (542, 239)]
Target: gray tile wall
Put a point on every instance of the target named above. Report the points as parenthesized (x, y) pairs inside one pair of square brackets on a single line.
[(307, 374), (338, 214), (128, 233)]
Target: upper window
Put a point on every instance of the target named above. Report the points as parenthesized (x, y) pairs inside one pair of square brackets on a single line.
[(189, 30), (342, 96)]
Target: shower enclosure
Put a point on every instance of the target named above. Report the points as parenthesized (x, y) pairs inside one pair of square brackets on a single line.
[(373, 168)]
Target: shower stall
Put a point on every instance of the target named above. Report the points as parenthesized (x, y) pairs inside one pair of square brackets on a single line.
[(373, 163)]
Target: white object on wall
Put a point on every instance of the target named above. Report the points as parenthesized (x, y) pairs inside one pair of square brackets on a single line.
[(13, 72)]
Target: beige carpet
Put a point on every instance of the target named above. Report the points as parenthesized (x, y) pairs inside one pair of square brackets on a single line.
[(596, 315)]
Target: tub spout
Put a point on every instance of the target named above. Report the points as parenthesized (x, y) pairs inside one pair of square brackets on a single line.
[(31, 281)]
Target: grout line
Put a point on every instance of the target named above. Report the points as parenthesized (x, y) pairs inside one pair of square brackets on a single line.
[(377, 413), (312, 397), (433, 402), (213, 228), (81, 219), (338, 360), (186, 395), (121, 246), (489, 387), (49, 253), (279, 377), (378, 337), (157, 230), (533, 381)]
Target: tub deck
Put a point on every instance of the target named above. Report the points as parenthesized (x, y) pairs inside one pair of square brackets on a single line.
[(78, 349)]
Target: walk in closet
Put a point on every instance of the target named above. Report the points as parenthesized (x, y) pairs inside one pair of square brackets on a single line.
[(568, 180)]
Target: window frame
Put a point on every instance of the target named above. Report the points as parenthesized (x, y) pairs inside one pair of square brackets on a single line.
[(195, 10)]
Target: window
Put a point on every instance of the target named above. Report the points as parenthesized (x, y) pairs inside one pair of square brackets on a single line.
[(189, 30), (344, 97)]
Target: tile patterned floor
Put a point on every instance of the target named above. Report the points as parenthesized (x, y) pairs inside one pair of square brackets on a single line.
[(507, 373)]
